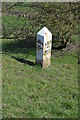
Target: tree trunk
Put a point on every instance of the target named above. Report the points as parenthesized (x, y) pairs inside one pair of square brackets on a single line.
[(65, 43)]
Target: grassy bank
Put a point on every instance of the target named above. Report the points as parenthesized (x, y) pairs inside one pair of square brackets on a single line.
[(30, 91)]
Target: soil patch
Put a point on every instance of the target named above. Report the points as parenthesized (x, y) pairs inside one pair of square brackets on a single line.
[(72, 47)]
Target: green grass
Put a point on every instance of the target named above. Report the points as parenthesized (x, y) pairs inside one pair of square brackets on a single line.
[(10, 24), (11, 28), (26, 7), (74, 38), (30, 91)]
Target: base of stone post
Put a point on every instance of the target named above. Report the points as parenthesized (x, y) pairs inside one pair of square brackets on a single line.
[(37, 62)]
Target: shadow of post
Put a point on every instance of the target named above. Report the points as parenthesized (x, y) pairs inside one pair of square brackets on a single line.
[(25, 47), (24, 61)]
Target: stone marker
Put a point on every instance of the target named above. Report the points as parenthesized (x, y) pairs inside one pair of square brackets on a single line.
[(43, 44)]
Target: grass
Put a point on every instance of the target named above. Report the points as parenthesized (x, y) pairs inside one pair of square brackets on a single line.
[(30, 91), (11, 26), (75, 37), (23, 8)]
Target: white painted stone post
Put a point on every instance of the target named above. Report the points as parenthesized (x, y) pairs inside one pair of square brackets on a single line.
[(43, 44)]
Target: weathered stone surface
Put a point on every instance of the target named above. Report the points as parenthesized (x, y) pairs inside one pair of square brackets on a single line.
[(43, 44)]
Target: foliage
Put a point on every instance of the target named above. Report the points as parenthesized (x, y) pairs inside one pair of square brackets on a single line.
[(60, 18)]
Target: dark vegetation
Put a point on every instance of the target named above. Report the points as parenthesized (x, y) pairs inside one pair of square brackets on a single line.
[(60, 18)]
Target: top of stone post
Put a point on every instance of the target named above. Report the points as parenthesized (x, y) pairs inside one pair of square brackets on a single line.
[(44, 31)]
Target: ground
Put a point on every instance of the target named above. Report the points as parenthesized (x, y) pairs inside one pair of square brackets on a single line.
[(28, 90)]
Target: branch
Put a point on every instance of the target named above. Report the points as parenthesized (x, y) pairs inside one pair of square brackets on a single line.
[(9, 7)]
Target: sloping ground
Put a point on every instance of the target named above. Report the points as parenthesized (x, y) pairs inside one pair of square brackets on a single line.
[(30, 91)]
